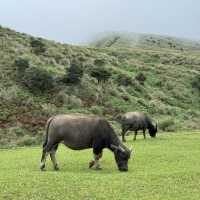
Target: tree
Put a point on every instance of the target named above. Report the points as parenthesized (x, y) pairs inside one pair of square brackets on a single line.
[(74, 73), (36, 78), (101, 74)]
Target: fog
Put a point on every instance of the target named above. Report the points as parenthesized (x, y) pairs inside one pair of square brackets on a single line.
[(78, 21)]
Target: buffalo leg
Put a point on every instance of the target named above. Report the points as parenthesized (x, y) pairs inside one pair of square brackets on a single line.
[(43, 160), (144, 133), (53, 157), (96, 161), (124, 130), (45, 152), (97, 155), (135, 135)]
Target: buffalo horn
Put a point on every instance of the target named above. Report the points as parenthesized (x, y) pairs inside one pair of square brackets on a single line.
[(117, 147)]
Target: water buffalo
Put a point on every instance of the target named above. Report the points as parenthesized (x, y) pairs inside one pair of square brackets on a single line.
[(135, 121), (81, 132)]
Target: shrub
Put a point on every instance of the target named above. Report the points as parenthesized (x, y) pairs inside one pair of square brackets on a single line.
[(10, 95), (142, 102), (97, 110), (74, 102), (48, 109), (137, 86), (36, 78), (113, 91), (27, 141), (71, 101), (140, 78), (196, 82), (16, 131), (167, 124), (74, 73), (21, 64), (62, 98), (101, 74), (125, 97), (38, 46), (65, 62), (87, 90), (125, 80), (100, 62)]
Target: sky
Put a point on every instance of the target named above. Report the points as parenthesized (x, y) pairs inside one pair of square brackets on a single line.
[(78, 21)]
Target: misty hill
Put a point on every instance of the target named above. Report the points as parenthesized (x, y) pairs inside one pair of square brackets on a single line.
[(41, 78), (149, 41)]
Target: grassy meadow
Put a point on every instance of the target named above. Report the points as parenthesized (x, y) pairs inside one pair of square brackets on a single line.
[(167, 167)]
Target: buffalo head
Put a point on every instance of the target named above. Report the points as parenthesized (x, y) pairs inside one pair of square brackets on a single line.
[(122, 156), (153, 130), (118, 118)]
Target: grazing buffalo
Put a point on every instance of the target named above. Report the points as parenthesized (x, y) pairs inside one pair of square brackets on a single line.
[(81, 132), (135, 121)]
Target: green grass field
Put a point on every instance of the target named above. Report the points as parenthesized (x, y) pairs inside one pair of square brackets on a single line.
[(167, 167)]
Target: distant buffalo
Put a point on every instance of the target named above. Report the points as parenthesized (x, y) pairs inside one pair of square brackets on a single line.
[(135, 121), (81, 132)]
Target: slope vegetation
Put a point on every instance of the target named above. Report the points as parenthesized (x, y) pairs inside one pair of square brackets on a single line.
[(160, 82)]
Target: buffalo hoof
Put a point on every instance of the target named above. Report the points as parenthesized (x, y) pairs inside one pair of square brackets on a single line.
[(42, 169), (91, 163), (56, 168), (123, 170), (98, 168)]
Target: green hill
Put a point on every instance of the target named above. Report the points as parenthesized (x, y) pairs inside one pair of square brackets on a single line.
[(147, 41), (163, 82)]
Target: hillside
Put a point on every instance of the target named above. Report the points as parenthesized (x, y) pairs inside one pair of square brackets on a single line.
[(147, 41), (160, 82)]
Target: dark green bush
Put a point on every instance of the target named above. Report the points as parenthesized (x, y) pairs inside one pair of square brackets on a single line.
[(140, 77), (125, 80), (36, 78), (74, 73), (196, 82), (21, 64), (100, 62), (101, 74), (38, 45)]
